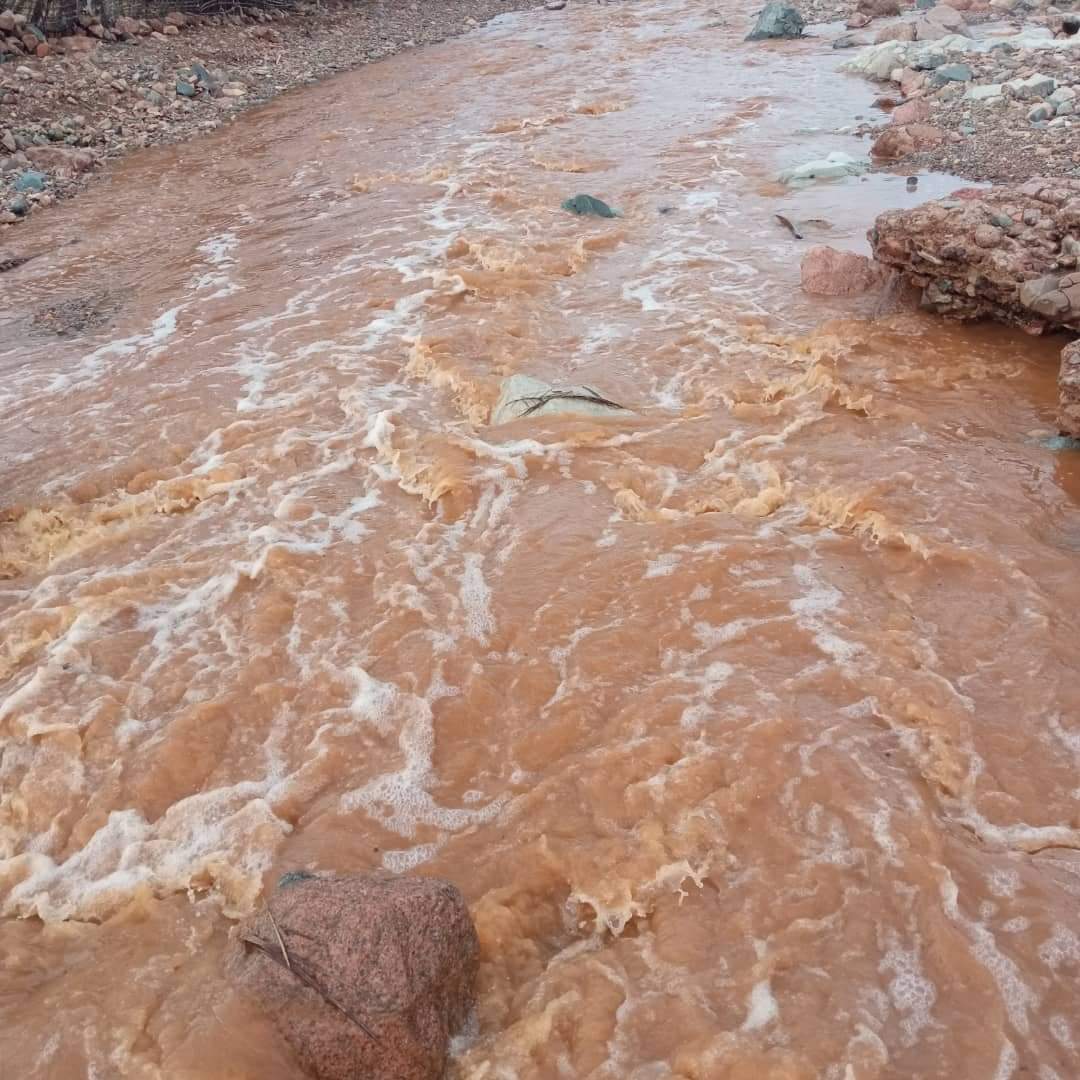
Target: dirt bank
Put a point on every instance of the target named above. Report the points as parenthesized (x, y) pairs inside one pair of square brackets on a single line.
[(89, 100)]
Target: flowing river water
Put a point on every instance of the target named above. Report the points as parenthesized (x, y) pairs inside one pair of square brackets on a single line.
[(747, 719)]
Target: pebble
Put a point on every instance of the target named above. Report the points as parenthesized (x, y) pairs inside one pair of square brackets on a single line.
[(31, 180)]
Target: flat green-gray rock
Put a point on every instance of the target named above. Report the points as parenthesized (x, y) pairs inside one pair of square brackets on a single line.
[(777, 21), (588, 204)]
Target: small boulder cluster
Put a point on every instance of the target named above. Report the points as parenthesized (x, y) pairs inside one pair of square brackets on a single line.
[(33, 162), (986, 106), (20, 37)]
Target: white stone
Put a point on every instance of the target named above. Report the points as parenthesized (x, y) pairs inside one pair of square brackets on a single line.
[(983, 92), (836, 165), (520, 392), (1031, 88)]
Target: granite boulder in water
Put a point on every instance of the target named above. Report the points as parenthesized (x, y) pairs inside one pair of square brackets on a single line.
[(777, 21), (365, 975)]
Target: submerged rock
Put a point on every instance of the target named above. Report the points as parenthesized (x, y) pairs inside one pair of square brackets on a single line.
[(777, 20), (826, 271), (365, 975)]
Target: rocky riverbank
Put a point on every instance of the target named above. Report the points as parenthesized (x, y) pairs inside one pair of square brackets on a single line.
[(985, 91), (70, 103), (1009, 253), (970, 92)]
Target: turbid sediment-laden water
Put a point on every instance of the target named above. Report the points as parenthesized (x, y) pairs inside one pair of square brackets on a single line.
[(747, 719)]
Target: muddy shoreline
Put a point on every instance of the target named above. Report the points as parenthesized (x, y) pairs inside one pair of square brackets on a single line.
[(89, 101)]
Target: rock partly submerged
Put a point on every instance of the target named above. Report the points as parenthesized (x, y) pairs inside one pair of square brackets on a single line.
[(833, 167), (522, 395), (777, 20), (589, 205), (365, 975), (826, 271), (1009, 253)]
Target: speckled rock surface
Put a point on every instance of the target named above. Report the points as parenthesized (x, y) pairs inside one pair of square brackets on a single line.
[(379, 974)]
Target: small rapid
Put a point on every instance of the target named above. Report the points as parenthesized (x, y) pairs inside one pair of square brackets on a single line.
[(745, 717)]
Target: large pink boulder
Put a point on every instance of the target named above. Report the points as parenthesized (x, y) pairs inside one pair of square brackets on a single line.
[(915, 111), (941, 21), (365, 975), (828, 272), (61, 158), (899, 140)]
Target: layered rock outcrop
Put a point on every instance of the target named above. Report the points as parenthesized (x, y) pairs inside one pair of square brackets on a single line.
[(1009, 253)]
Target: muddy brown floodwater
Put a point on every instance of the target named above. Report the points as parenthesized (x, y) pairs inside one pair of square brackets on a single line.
[(748, 721)]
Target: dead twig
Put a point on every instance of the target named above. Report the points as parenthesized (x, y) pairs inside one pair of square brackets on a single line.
[(280, 939), (592, 397), (300, 972), (788, 225)]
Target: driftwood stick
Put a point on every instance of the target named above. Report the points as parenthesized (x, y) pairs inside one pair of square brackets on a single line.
[(299, 971)]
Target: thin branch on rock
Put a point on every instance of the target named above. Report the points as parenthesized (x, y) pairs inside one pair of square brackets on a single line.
[(294, 967), (534, 404)]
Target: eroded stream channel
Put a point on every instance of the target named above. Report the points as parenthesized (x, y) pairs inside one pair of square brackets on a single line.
[(747, 720)]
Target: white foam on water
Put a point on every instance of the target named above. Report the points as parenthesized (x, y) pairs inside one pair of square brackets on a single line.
[(761, 1007), (401, 801), (1007, 1062), (92, 367), (401, 862), (663, 565), (911, 993), (644, 295), (1019, 836), (179, 620), (218, 252), (1003, 881), (225, 837), (818, 600), (1060, 949), (475, 598), (1016, 995), (880, 820), (1062, 1031)]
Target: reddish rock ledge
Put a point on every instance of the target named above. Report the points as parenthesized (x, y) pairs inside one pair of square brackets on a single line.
[(1008, 253)]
